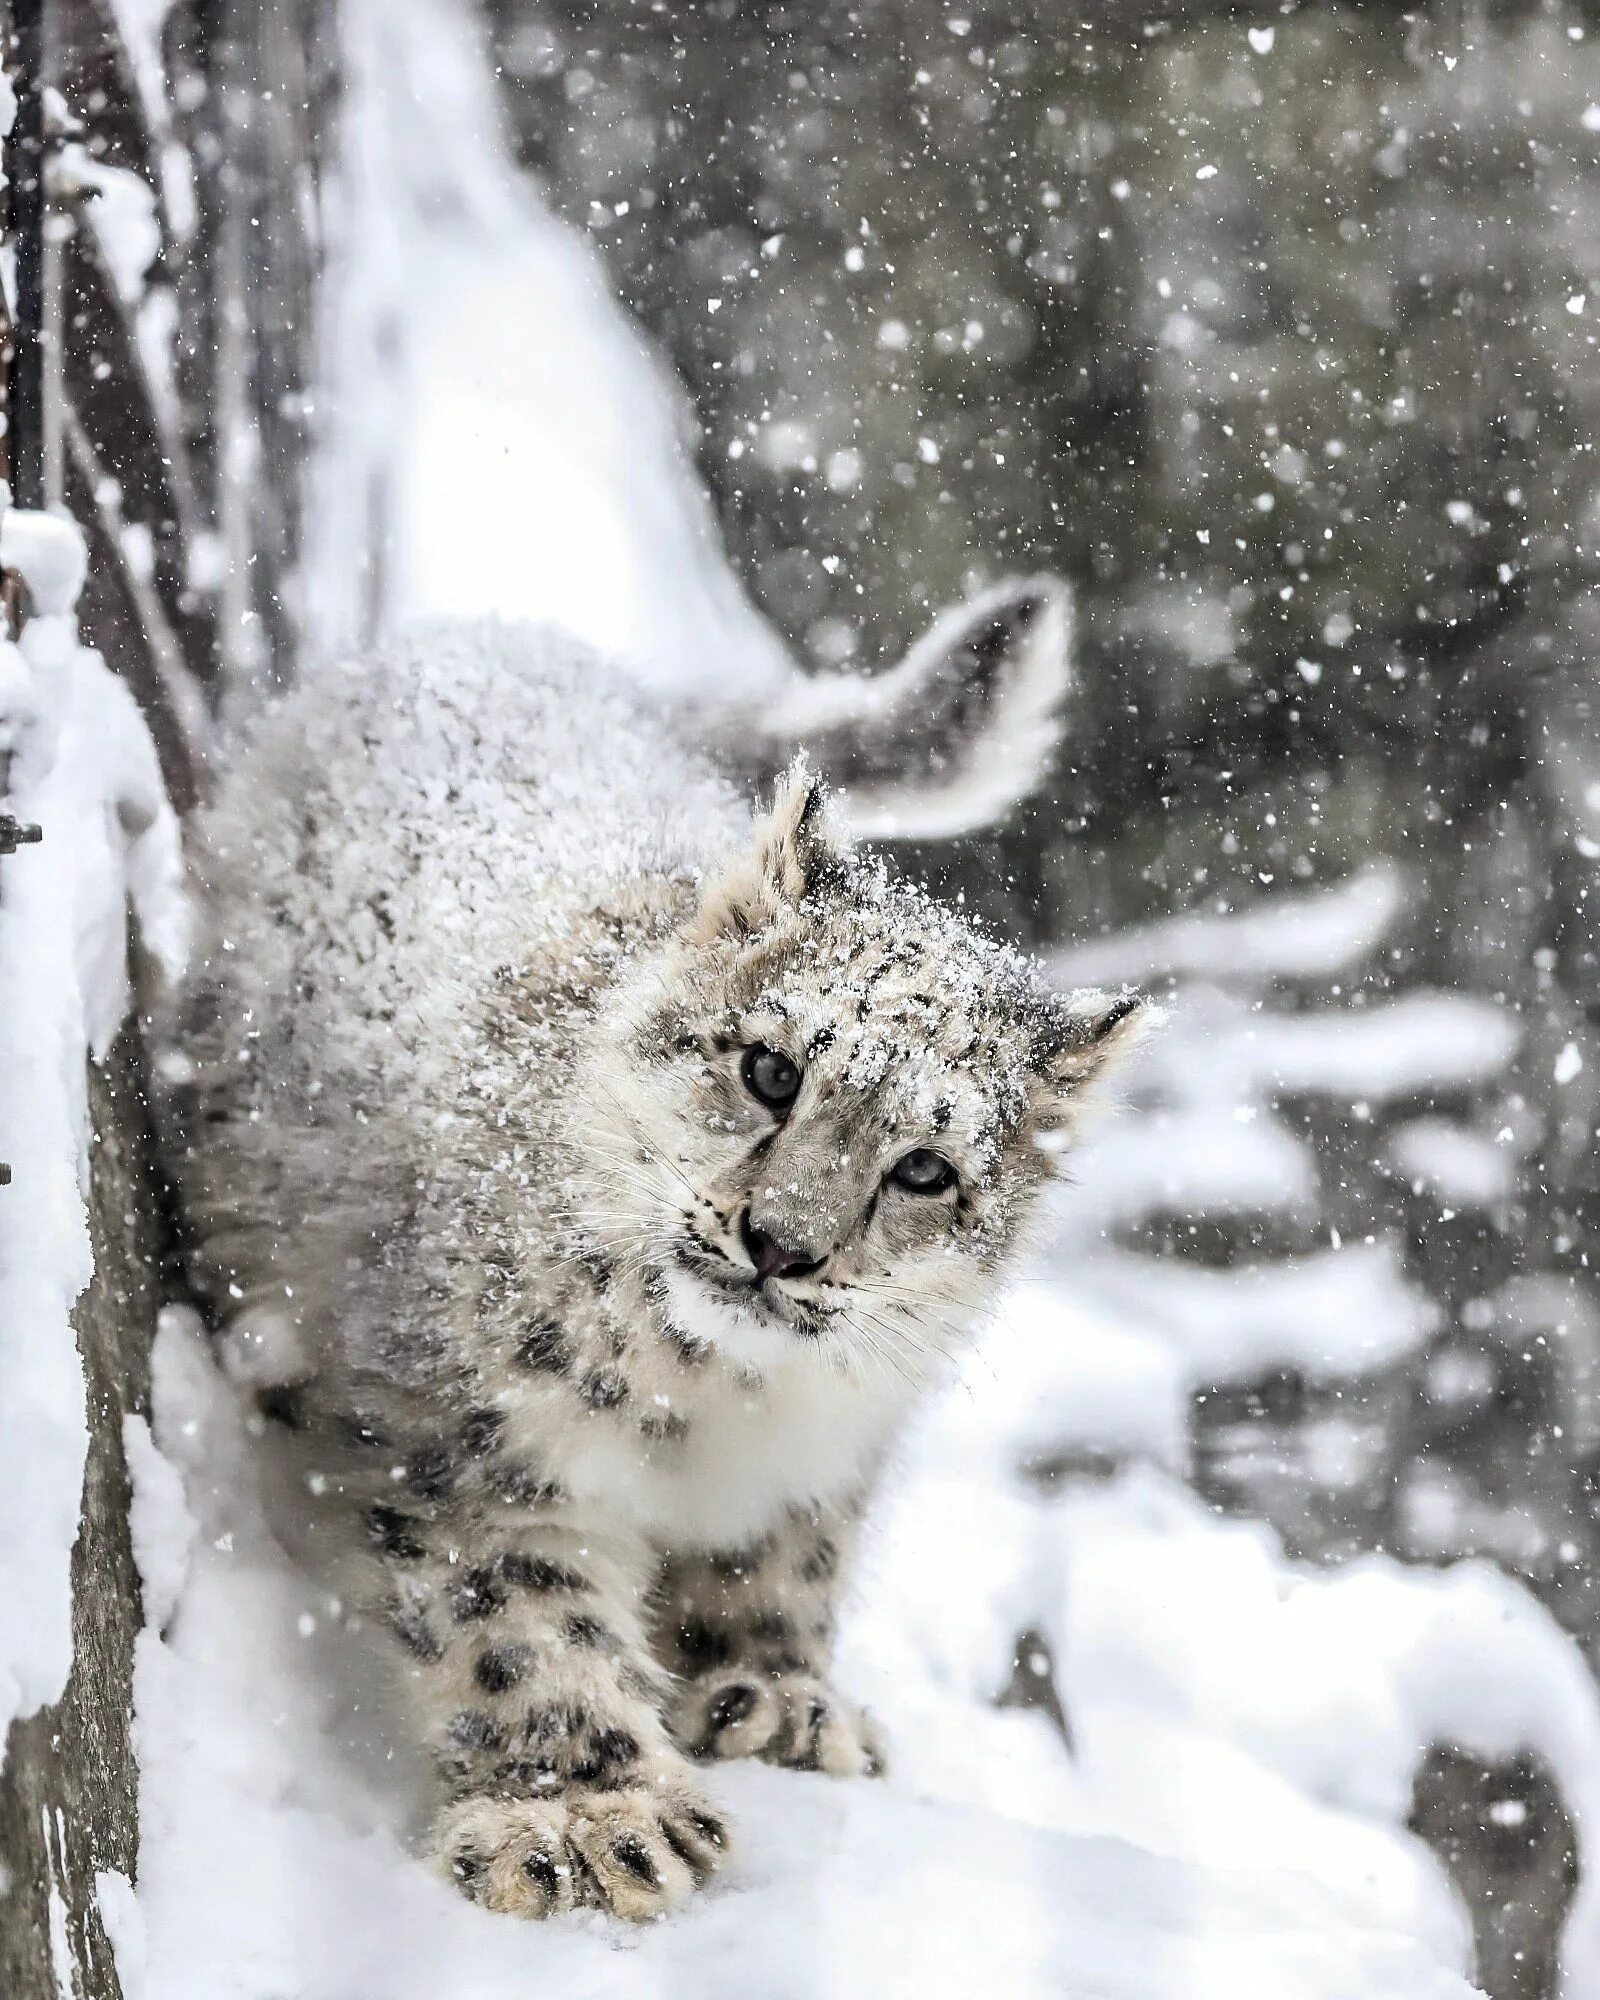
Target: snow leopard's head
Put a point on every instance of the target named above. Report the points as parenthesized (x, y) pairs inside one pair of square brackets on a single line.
[(822, 1117)]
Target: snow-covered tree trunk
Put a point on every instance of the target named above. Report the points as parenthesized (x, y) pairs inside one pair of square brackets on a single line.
[(156, 392), (68, 1793)]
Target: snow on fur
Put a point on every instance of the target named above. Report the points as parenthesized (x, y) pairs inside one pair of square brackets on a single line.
[(1186, 1853)]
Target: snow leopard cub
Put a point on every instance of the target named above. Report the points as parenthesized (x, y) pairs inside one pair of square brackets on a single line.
[(587, 1181)]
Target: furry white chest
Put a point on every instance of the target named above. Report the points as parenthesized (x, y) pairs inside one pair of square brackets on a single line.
[(808, 1433)]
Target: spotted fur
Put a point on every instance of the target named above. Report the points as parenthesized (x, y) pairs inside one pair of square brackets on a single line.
[(470, 1171)]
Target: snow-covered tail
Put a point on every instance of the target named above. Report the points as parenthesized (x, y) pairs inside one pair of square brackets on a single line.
[(943, 743)]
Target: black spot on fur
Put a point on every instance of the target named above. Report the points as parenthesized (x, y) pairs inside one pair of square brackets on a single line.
[(430, 1473), (410, 1626), (583, 1630), (702, 1645), (552, 1727), (608, 1752), (471, 1729), (822, 1562), (545, 1349), (395, 1534), (482, 1431), (603, 1389), (730, 1564), (665, 1032), (466, 1866), (777, 1665), (616, 1746), (360, 1432), (599, 1268), (690, 1834), (690, 1352), (632, 1853), (524, 1774), (284, 1403), (524, 1572), (475, 1595), (521, 1485), (664, 1427), (499, 1668), (770, 1625)]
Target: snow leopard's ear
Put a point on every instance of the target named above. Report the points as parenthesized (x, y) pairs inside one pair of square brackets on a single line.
[(794, 853), (1080, 1042), (944, 742)]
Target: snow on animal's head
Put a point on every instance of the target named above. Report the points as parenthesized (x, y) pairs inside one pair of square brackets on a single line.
[(818, 1117)]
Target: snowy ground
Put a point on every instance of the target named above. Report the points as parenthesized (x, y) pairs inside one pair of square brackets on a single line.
[(1214, 1837), (1228, 1820)]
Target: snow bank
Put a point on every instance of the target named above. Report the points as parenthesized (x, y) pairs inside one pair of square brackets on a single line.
[(77, 760), (1201, 1158), (1342, 1313), (1306, 935), (1228, 1708), (1453, 1161), (1421, 1042)]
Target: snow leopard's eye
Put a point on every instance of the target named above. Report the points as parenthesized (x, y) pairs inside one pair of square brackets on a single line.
[(923, 1172), (770, 1076)]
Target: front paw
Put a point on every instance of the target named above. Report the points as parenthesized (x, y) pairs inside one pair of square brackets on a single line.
[(637, 1851), (791, 1719)]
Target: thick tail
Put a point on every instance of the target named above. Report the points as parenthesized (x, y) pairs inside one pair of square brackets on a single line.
[(948, 740)]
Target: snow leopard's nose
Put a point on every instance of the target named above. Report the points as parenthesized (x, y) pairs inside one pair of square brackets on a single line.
[(772, 1257)]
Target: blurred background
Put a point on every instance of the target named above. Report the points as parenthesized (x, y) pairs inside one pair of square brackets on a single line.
[(744, 328)]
